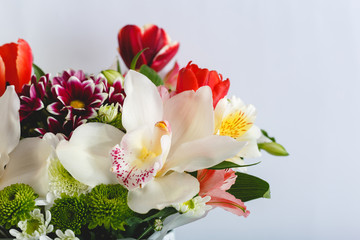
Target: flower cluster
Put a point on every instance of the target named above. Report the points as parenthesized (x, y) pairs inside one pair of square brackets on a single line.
[(122, 155)]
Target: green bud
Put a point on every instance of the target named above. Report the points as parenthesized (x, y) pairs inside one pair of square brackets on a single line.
[(108, 113), (112, 75), (273, 148)]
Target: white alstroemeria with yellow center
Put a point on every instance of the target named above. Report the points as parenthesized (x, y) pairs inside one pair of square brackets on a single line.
[(164, 141), (235, 119)]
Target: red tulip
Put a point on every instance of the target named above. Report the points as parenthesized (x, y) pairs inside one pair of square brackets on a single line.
[(132, 39), (15, 65), (192, 77)]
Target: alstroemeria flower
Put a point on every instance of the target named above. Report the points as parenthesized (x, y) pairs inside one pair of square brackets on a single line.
[(214, 183), (163, 142), (132, 39), (236, 119), (192, 78), (9, 125), (15, 65)]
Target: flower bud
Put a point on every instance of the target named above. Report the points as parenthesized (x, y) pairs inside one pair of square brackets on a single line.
[(273, 148), (112, 75), (108, 113)]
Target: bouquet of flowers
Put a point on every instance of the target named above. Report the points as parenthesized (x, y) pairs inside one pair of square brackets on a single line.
[(122, 155)]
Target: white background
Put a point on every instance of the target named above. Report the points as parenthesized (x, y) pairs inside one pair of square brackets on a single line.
[(296, 61)]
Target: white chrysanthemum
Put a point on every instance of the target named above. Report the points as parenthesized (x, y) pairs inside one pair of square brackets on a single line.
[(35, 227), (195, 207), (236, 119), (67, 235), (108, 113)]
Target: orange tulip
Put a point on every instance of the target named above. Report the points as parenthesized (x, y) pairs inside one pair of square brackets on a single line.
[(15, 65)]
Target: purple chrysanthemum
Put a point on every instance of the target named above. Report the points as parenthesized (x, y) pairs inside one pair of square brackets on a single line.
[(77, 96), (33, 95), (116, 93), (63, 127)]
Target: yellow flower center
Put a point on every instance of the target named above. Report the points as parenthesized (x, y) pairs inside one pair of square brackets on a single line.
[(77, 104), (145, 154), (234, 125)]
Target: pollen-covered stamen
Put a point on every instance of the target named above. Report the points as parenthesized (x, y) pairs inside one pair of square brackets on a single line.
[(235, 124), (77, 104)]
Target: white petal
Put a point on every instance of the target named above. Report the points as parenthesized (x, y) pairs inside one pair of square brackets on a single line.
[(87, 155), (9, 124), (191, 115), (163, 191), (28, 165), (142, 105), (203, 153)]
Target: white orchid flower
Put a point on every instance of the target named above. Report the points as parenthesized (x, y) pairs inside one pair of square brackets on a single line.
[(164, 141), (236, 119), (9, 125)]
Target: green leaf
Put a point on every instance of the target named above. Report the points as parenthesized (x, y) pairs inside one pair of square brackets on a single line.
[(38, 71), (267, 135), (226, 164), (162, 214), (248, 187), (273, 148), (135, 59), (151, 74), (118, 68)]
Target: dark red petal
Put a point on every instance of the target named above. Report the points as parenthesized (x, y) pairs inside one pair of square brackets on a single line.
[(2, 77), (186, 81), (130, 44), (164, 56), (220, 91), (152, 39), (23, 63)]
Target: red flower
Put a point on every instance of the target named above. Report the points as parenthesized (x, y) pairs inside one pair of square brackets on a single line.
[(132, 39), (214, 183), (192, 77), (15, 65)]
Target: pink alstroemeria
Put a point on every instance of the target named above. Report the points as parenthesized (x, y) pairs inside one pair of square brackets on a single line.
[(170, 79), (132, 39), (77, 95), (214, 183)]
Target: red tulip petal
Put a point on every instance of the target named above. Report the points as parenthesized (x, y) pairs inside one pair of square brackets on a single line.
[(186, 81), (202, 76), (220, 91), (214, 79), (152, 39), (2, 77), (23, 63), (8, 52), (130, 44), (164, 56)]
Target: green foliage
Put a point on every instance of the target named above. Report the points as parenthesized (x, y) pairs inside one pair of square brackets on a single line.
[(16, 203), (272, 147), (248, 187), (38, 71), (226, 164), (135, 59), (69, 212), (151, 74), (108, 207)]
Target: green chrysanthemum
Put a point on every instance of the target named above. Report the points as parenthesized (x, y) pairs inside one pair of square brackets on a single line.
[(69, 212), (108, 207), (61, 180), (16, 203)]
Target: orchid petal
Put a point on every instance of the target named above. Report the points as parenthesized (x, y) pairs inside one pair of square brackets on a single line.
[(190, 115), (10, 125), (28, 165), (142, 105), (86, 154), (163, 191), (202, 153)]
